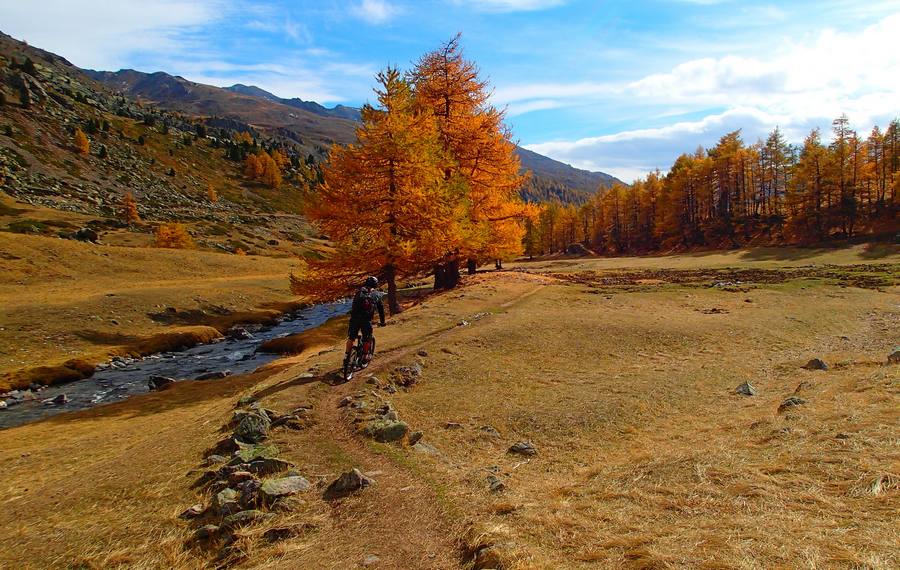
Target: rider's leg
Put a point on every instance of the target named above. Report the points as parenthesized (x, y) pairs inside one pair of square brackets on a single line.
[(351, 336), (367, 339)]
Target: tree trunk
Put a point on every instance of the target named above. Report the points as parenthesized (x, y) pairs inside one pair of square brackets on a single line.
[(440, 277), (390, 275), (471, 266)]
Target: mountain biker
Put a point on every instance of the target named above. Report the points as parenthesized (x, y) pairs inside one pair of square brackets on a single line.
[(366, 301)]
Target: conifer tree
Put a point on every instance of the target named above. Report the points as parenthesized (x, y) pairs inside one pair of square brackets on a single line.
[(384, 202), (129, 209), (81, 142)]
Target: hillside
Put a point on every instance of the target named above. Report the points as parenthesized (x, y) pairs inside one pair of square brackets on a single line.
[(167, 160), (310, 123)]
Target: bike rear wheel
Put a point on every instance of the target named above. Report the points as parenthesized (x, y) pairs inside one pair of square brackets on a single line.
[(351, 364)]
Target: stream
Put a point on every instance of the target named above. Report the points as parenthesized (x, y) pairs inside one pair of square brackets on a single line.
[(127, 377)]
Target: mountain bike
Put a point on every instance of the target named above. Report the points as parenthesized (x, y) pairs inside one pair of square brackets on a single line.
[(359, 357)]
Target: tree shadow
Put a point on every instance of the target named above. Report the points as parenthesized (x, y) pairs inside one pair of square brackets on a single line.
[(784, 253), (107, 338), (880, 250)]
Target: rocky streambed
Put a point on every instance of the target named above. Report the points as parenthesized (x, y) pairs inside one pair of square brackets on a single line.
[(124, 377)]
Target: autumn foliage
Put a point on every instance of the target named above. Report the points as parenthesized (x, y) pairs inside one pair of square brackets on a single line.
[(734, 193), (129, 211), (434, 171), (265, 168), (211, 194), (173, 236), (81, 142)]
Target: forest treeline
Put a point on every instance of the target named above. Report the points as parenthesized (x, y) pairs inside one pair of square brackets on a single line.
[(735, 193)]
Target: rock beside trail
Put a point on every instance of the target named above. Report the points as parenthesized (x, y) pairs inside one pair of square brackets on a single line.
[(523, 448), (347, 484), (268, 466), (407, 376), (791, 402), (816, 364), (253, 428), (274, 489), (385, 430), (415, 436), (495, 484), (244, 518), (159, 383), (193, 511), (249, 452), (489, 431), (746, 389), (206, 532), (894, 357), (226, 502)]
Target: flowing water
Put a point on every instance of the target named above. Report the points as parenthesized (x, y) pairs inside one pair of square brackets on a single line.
[(126, 377)]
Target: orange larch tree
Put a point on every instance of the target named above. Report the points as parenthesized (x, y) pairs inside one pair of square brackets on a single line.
[(129, 209), (82, 144), (484, 163), (384, 202)]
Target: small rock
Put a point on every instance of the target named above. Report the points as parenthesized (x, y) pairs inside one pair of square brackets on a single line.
[(746, 389), (462, 323), (894, 357), (215, 459), (816, 364), (370, 560), (452, 425), (422, 353), (523, 448), (407, 376), (347, 484), (245, 401), (239, 333), (3, 405), (244, 518), (193, 511), (495, 484), (345, 401), (214, 375), (842, 436), (490, 431), (415, 437), (372, 380), (59, 400), (249, 490), (206, 532), (425, 448), (385, 430), (274, 489), (159, 383), (791, 402)]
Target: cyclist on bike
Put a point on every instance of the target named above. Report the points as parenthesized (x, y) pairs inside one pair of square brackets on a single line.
[(366, 301)]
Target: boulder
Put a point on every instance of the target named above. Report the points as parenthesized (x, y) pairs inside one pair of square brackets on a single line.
[(86, 234), (239, 477), (407, 376), (159, 383), (253, 428), (347, 484), (215, 459), (816, 364), (414, 437), (249, 490), (385, 430), (274, 489), (249, 452), (226, 502), (791, 402), (523, 448), (746, 389)]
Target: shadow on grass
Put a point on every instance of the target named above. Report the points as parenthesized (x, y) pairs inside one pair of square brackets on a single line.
[(106, 338)]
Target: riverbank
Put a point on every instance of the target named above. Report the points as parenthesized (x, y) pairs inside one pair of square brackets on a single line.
[(70, 305)]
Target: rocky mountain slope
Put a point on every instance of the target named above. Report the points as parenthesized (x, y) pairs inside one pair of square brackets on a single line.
[(250, 104)]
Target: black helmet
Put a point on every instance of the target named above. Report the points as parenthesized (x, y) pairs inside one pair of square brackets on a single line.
[(372, 282)]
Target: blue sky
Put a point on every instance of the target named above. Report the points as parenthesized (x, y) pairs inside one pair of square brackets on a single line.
[(623, 87)]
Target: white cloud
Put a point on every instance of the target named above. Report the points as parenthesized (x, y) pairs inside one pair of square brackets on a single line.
[(100, 35), (375, 11), (798, 86), (512, 5)]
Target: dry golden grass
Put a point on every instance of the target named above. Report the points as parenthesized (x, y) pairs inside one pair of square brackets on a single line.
[(65, 299), (646, 458)]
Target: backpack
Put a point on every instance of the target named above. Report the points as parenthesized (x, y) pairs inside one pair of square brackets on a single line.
[(363, 304)]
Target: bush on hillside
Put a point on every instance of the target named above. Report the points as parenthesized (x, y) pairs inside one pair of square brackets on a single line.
[(173, 236)]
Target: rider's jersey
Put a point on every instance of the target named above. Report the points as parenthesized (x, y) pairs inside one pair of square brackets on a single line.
[(365, 303)]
